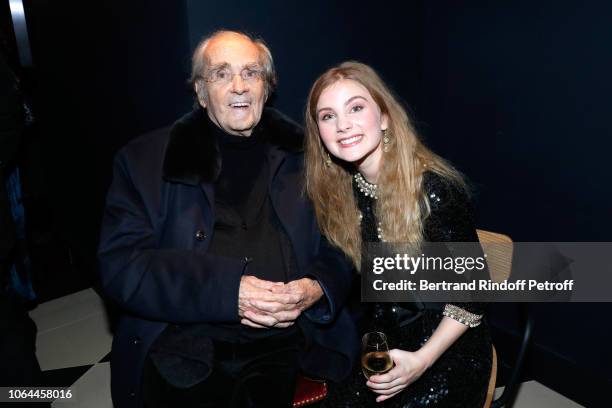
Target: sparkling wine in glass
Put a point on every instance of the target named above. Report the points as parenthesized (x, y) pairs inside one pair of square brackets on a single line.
[(375, 358)]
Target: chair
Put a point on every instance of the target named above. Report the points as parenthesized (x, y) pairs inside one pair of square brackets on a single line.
[(499, 250), (492, 380), (308, 391)]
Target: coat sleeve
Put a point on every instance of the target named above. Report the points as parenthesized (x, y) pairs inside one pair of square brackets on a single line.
[(452, 219), (333, 271), (165, 284)]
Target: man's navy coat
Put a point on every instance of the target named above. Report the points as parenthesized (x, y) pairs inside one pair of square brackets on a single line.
[(155, 234)]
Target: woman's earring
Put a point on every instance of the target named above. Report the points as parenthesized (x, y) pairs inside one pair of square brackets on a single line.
[(328, 160), (386, 141)]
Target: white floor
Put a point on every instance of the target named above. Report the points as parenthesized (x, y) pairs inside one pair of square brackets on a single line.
[(73, 331), (532, 394)]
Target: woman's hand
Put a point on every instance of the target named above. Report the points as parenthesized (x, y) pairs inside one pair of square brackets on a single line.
[(409, 366)]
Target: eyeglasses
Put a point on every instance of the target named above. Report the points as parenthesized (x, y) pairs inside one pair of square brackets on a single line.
[(225, 75)]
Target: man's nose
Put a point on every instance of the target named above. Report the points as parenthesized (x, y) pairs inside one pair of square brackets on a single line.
[(239, 85)]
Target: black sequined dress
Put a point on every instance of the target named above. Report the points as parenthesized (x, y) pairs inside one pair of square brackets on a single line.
[(459, 378)]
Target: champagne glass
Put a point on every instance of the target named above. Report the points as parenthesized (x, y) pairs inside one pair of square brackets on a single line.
[(375, 358)]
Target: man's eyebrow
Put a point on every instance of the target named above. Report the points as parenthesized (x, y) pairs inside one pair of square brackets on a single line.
[(351, 99), (223, 65), (252, 65), (219, 66)]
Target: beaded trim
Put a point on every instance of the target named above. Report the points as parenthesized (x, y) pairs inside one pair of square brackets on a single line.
[(313, 399), (379, 230), (367, 188), (462, 315)]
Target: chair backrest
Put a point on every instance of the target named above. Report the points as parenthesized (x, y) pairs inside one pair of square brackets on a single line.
[(492, 379), (498, 248)]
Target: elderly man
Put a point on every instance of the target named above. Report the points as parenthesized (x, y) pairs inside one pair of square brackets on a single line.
[(211, 249)]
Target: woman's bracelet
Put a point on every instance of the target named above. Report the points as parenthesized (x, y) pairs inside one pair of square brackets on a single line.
[(461, 315)]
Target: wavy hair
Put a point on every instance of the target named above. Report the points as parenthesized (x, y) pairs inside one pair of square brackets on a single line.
[(402, 204)]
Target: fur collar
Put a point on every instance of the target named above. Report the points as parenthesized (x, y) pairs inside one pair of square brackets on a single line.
[(192, 155)]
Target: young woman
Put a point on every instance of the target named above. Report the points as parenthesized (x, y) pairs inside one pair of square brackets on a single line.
[(371, 180)]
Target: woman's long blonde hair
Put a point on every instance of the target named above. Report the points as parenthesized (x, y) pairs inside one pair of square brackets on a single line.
[(402, 204)]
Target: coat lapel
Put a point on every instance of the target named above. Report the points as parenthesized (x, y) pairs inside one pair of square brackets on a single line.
[(192, 154), (294, 215)]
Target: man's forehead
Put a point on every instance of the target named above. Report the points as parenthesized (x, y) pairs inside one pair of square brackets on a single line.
[(231, 50)]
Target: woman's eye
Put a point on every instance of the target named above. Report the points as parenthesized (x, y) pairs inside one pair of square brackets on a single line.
[(326, 116), (356, 108)]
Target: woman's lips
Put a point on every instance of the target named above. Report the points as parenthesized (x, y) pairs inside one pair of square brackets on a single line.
[(350, 141)]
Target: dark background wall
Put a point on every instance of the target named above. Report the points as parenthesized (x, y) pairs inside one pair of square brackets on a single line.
[(308, 37), (526, 81), (104, 72), (516, 94)]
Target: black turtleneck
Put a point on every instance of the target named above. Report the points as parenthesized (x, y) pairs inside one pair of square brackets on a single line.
[(245, 224), (241, 185)]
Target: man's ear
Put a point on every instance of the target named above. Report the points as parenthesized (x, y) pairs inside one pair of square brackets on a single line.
[(201, 94)]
